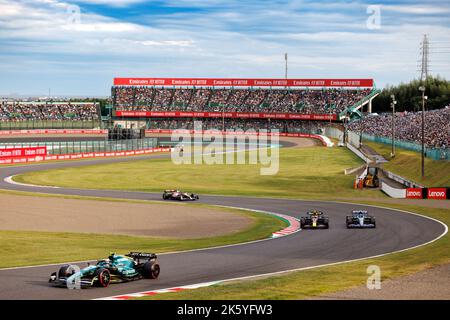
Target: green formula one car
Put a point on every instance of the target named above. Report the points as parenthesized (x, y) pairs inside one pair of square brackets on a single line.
[(114, 269)]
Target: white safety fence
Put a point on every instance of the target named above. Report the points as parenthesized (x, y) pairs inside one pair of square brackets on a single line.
[(393, 192)]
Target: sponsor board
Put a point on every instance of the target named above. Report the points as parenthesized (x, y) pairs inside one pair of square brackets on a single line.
[(437, 193), (428, 193), (228, 115), (87, 155), (233, 82), (414, 193), (12, 153), (52, 131)]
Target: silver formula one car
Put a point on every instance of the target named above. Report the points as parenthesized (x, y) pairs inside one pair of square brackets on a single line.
[(360, 219), (179, 195)]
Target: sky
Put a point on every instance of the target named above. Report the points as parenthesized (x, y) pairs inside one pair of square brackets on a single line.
[(77, 47)]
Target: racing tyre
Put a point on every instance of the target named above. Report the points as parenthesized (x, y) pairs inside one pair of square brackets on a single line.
[(66, 271), (150, 270), (104, 277)]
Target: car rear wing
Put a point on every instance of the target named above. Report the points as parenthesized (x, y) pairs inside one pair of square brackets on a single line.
[(312, 213), (141, 255), (359, 211)]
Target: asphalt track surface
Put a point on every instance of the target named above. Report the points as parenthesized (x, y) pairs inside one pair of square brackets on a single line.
[(395, 231)]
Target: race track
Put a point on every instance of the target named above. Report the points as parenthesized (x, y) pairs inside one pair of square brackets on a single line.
[(395, 231)]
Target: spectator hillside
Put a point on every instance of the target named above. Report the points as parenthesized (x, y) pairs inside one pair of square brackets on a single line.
[(408, 126), (34, 111), (236, 100)]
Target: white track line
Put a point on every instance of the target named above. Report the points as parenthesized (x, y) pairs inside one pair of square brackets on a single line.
[(284, 271), (11, 181), (174, 252), (137, 294)]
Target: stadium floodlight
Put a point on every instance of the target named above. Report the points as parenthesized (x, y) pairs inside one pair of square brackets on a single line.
[(422, 89)]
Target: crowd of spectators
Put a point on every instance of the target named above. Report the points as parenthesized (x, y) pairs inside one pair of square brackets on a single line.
[(318, 101), (286, 126), (408, 126), (37, 111)]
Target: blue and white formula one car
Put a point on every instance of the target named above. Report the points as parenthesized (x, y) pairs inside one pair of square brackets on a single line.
[(360, 219)]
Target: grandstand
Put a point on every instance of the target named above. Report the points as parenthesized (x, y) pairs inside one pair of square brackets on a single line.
[(408, 127), (48, 114), (231, 103), (24, 110)]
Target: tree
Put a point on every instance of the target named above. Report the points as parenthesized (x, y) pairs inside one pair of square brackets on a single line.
[(409, 98)]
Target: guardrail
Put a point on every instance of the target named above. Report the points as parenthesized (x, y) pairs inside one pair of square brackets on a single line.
[(358, 153), (393, 192), (353, 170), (399, 179)]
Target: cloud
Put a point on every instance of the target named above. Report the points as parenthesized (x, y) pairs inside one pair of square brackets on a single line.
[(417, 9), (111, 3), (43, 44)]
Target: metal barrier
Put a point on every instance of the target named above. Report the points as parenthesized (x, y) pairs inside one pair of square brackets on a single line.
[(333, 132), (393, 192), (403, 181), (71, 147)]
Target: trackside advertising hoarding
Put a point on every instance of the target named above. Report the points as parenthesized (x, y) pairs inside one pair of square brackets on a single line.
[(437, 193), (225, 82), (232, 115), (85, 155), (52, 131), (10, 153), (428, 193), (414, 193)]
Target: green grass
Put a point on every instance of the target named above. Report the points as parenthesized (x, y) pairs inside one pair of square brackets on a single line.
[(314, 172), (21, 248), (309, 173), (304, 284), (408, 165)]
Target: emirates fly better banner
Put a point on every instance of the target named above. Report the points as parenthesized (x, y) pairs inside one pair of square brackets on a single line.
[(10, 153), (224, 82), (240, 115)]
